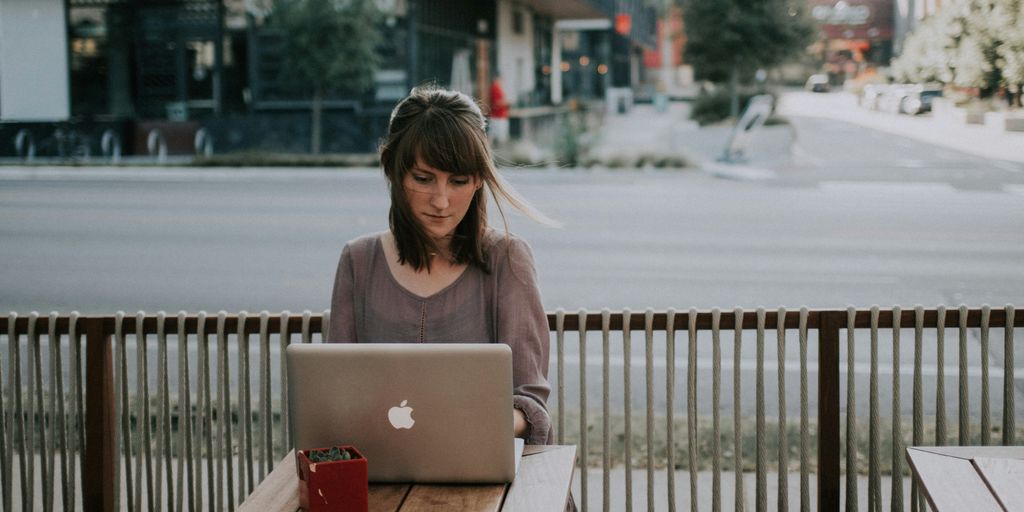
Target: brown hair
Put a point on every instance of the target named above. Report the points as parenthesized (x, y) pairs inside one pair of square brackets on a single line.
[(446, 130)]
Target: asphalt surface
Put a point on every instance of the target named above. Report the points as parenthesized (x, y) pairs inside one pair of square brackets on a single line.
[(844, 216)]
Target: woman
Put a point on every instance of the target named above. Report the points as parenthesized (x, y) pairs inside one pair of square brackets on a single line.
[(440, 274)]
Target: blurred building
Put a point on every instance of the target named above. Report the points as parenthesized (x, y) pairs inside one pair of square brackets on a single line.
[(855, 36), (129, 66)]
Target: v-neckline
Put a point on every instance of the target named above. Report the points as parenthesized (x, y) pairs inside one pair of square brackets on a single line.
[(391, 274)]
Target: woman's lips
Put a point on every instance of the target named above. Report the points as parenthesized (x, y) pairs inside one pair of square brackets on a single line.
[(436, 218)]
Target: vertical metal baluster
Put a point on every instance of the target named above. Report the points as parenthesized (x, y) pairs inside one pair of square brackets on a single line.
[(142, 416), (716, 382), (851, 413), (896, 502), (6, 448), (226, 467), (986, 412), (124, 414), (874, 454), (185, 423), (61, 423), (246, 485), (805, 434), (79, 388), (916, 499), (606, 320), (691, 403), (627, 356), (163, 427), (49, 420), (964, 429), (34, 377), (266, 432), (761, 489), (670, 401), (76, 430), (206, 418), (780, 334), (940, 378), (285, 426), (582, 329), (737, 413), (1009, 421), (560, 360), (649, 387), (14, 417), (307, 334)]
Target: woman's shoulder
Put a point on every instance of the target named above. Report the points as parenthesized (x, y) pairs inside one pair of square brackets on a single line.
[(360, 247), (504, 241), (507, 250)]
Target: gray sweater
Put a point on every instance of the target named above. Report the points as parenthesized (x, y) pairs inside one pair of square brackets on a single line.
[(368, 305)]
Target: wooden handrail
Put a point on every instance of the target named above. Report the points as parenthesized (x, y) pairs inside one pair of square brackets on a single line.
[(101, 453)]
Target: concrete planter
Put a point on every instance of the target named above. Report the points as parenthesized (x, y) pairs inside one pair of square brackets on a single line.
[(947, 111), (1012, 121)]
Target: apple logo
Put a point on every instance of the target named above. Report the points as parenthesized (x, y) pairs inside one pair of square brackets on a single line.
[(401, 416)]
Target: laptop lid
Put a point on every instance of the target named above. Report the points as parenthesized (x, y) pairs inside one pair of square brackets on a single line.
[(418, 412)]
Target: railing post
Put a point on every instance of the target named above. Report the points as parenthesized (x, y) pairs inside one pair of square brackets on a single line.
[(100, 433), (829, 323)]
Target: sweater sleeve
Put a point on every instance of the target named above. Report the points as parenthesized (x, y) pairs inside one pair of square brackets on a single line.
[(341, 327), (523, 325)]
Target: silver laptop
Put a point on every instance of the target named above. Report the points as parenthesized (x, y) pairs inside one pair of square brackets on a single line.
[(417, 412)]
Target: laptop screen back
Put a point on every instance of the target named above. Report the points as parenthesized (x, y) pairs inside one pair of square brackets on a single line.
[(418, 412)]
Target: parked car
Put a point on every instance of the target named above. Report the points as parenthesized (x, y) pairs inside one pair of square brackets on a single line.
[(817, 83), (900, 98), (918, 99)]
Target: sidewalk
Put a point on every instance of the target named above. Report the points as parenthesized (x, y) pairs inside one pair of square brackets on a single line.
[(644, 130), (974, 139)]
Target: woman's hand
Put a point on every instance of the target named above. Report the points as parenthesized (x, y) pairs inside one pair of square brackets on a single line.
[(519, 424)]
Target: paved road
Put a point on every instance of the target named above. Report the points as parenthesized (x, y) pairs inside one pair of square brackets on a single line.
[(843, 221)]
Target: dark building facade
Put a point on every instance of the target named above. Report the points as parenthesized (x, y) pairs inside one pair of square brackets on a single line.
[(184, 65)]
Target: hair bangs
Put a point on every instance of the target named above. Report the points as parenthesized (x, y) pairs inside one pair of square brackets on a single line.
[(446, 143)]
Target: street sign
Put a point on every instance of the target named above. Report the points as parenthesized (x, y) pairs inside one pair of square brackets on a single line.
[(758, 109)]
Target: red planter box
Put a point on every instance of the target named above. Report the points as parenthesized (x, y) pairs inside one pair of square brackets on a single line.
[(337, 485)]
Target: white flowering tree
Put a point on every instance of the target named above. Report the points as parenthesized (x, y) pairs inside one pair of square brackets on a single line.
[(969, 43)]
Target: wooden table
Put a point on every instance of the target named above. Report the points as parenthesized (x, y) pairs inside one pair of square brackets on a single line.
[(542, 484), (975, 478)]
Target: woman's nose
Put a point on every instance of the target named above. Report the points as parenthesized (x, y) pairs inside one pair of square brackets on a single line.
[(439, 199)]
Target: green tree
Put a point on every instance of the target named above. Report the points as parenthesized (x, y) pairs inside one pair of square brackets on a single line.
[(329, 48), (730, 39)]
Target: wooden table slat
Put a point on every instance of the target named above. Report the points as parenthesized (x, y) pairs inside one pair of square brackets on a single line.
[(970, 452), (278, 491), (387, 497), (1004, 477), (425, 497), (543, 481), (932, 470)]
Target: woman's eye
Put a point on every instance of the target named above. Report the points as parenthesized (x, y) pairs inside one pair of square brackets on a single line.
[(460, 181), (421, 179)]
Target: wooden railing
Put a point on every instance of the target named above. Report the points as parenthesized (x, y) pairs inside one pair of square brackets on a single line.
[(142, 451)]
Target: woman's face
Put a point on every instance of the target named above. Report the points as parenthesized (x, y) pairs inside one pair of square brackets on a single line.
[(438, 199)]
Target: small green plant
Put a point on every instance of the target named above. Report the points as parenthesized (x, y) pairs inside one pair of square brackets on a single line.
[(329, 455)]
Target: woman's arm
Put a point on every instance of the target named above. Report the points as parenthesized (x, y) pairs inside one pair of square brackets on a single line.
[(522, 324), (341, 327)]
